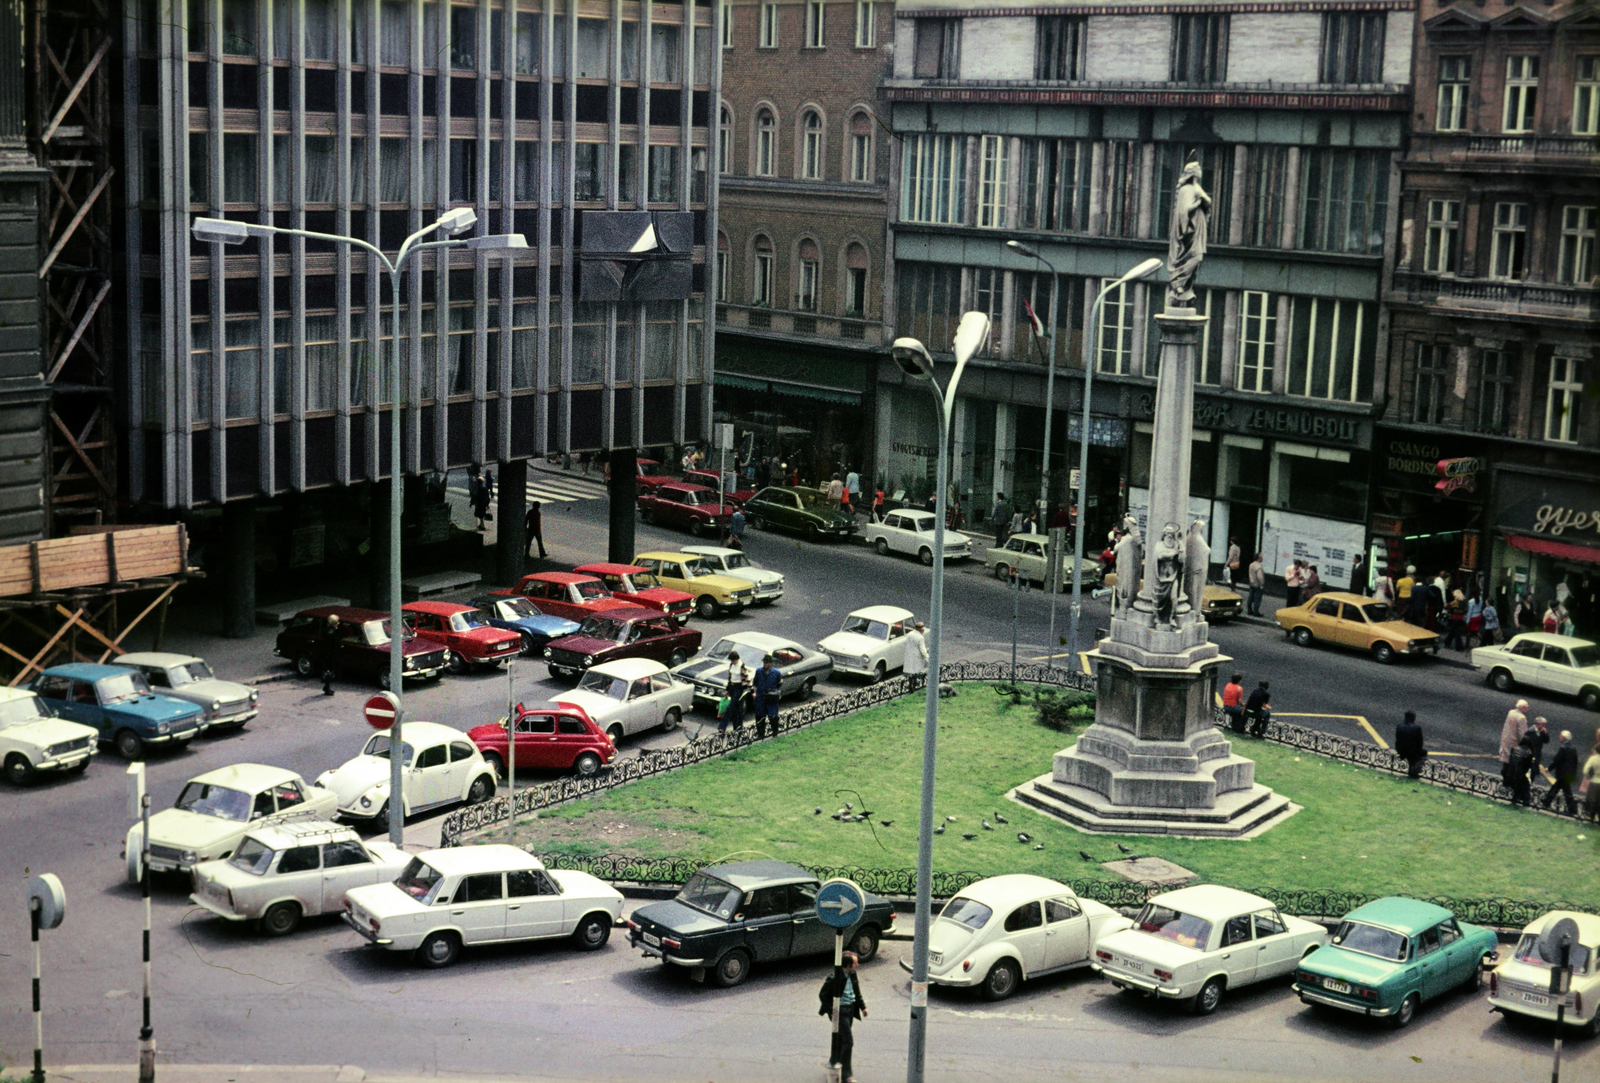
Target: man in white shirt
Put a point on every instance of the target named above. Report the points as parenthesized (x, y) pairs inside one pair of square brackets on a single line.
[(916, 664), (738, 686)]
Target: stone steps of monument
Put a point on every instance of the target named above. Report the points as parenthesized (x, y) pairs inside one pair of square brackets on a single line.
[(1237, 814), (1201, 780)]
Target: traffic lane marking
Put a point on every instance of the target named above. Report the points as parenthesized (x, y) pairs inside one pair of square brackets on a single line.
[(1356, 718)]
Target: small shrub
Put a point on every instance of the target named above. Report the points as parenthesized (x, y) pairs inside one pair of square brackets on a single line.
[(1063, 708)]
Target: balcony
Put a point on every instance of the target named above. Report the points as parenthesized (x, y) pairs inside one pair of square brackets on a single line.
[(800, 326), (1363, 97), (1539, 153), (1546, 301)]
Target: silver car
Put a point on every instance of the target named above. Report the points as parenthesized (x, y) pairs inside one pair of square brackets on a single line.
[(801, 669), (227, 705)]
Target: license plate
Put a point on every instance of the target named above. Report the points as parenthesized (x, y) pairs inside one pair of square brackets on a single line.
[(1536, 1000), (652, 939), (1336, 986), (1132, 965)]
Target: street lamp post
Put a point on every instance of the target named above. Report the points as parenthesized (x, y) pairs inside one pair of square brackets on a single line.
[(1049, 369), (914, 360), (454, 222)]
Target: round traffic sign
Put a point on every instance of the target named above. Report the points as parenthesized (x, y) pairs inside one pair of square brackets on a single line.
[(840, 903), (382, 710), (44, 893), (1551, 936)]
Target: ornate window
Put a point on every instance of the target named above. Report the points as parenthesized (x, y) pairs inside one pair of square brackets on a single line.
[(725, 140), (1586, 95), (808, 281), (1441, 253), (811, 145), (766, 143), (861, 159), (1522, 94), (1564, 406), (1455, 91), (1497, 391), (1577, 266), (761, 280), (1435, 372), (1508, 256)]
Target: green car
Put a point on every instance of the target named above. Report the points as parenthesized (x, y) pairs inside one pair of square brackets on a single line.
[(1388, 956), (804, 511)]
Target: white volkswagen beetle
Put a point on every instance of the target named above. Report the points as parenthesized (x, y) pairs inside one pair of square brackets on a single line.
[(911, 532), (631, 695), (1004, 930), (870, 643), (441, 767)]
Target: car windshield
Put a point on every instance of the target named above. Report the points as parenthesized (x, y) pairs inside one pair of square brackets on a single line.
[(1370, 940), (253, 856), (965, 911), (809, 497), (1376, 612), (189, 673), (603, 628), (379, 632), (592, 589), (379, 746), (1528, 952), (710, 894), (419, 880), (602, 684), (123, 686), (876, 629), (515, 609), (218, 801), (466, 622), (724, 647), (22, 709), (1586, 657), (1170, 924)]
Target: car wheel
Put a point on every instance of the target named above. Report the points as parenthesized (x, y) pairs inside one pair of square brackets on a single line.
[(1591, 1029), (19, 772), (482, 789), (615, 733), (587, 765), (439, 950), (882, 546), (1302, 636), (1210, 995), (812, 533), (383, 680), (281, 919), (128, 744), (926, 556), (1500, 680), (592, 932), (646, 515), (808, 688), (381, 820), (496, 764), (732, 969), (559, 673), (1002, 570), (1474, 980), (878, 673), (454, 662), (1382, 653), (705, 607), (527, 643), (1406, 1012), (1001, 981), (696, 527), (1589, 699), (304, 665), (759, 523), (865, 942), (678, 657), (672, 721)]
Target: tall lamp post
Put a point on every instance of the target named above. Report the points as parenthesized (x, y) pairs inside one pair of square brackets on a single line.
[(1049, 371), (454, 222), (915, 361)]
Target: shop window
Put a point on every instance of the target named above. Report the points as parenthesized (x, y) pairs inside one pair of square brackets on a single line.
[(994, 182), (1352, 47), (1199, 48), (1058, 47), (1258, 341), (1115, 348), (1577, 265), (1440, 255), (1332, 484), (1455, 91), (1331, 347), (934, 178), (1564, 404), (1497, 391), (1434, 374), (1346, 200), (937, 49), (1521, 94), (1054, 175)]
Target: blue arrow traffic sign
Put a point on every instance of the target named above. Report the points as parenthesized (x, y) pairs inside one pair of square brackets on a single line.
[(840, 903)]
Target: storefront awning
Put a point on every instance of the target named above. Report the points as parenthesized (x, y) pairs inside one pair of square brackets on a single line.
[(1559, 550), (784, 387)]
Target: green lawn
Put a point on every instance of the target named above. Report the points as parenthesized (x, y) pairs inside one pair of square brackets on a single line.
[(1359, 831)]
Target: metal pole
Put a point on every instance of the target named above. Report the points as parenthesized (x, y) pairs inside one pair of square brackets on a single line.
[(838, 973), (1016, 614), (397, 804), (38, 1019), (1049, 385), (1083, 475), (511, 749), (1563, 982), (147, 1034)]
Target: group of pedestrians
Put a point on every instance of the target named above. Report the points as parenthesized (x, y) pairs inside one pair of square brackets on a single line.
[(1247, 714), (1522, 745), (763, 688)]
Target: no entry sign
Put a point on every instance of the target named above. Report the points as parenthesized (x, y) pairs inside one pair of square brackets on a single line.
[(381, 710)]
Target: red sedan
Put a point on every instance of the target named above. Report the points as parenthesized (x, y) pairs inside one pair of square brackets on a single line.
[(618, 579), (565, 594), (551, 738), (466, 631), (711, 481)]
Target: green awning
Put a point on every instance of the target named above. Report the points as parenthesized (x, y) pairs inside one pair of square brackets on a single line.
[(784, 387)]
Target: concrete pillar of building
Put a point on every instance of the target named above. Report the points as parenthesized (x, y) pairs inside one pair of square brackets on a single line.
[(378, 540), (884, 433), (1005, 449), (624, 490), (239, 562), (511, 546), (961, 454)]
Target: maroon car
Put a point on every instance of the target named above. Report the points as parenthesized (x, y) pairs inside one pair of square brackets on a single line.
[(705, 477), (360, 648), (692, 507), (626, 632)]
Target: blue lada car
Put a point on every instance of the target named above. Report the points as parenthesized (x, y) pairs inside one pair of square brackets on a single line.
[(516, 614), (119, 703)]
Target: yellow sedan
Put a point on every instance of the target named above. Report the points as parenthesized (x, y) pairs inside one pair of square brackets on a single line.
[(1350, 620), (1218, 603)]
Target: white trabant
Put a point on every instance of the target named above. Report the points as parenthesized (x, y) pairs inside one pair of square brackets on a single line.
[(297, 869), (441, 766), (871, 642), (721, 561), (32, 739), (227, 705), (1194, 943), (1521, 984), (1030, 555), (216, 810), (445, 900), (631, 695), (911, 532), (1552, 663), (1000, 932)]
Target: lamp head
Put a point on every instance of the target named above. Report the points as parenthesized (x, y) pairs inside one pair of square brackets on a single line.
[(1018, 246), (913, 358), (457, 220), (970, 333), (1144, 270), (220, 229), (497, 242)]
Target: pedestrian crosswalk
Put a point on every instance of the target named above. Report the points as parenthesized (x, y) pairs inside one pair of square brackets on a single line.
[(554, 488)]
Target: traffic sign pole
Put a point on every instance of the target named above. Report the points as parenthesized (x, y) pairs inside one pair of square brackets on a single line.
[(383, 712), (511, 750), (840, 904)]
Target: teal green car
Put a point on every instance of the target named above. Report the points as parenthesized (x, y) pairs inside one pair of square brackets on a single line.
[(804, 511), (1388, 956)]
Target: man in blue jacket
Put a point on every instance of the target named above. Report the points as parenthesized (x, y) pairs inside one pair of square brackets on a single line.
[(768, 683)]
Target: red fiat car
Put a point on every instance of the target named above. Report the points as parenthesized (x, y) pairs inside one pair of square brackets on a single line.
[(565, 594), (649, 475), (466, 631), (618, 579), (711, 481), (549, 738), (691, 507)]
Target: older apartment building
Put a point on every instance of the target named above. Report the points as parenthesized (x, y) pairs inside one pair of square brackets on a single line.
[(1065, 126), (1490, 432)]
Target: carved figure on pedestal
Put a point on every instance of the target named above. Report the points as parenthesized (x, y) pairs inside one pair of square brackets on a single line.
[(1196, 563), (1169, 575), (1130, 559), (1191, 217)]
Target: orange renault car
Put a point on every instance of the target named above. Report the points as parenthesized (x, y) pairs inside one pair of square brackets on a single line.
[(1351, 620)]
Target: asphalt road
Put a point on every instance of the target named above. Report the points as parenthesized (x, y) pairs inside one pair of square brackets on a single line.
[(317, 997)]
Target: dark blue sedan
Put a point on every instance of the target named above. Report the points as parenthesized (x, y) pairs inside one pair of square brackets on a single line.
[(119, 703), (518, 614)]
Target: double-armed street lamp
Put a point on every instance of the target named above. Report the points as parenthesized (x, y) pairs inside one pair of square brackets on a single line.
[(915, 361), (453, 222)]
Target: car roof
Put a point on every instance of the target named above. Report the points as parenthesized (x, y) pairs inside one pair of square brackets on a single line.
[(1014, 886), (666, 554), (1212, 901), (629, 669), (627, 612), (685, 486), (918, 513), (86, 671), (762, 641), (748, 874), (557, 577), (421, 734), (155, 658), (1550, 639), (709, 550), (1340, 595), (442, 609), (281, 833), (250, 777), (483, 857), (611, 569), (886, 613), (1403, 915)]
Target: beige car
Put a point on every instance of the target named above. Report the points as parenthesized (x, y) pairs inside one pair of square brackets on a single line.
[(1351, 620), (1216, 602), (713, 593)]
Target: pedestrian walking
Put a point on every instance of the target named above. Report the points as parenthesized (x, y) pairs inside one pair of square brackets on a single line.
[(1230, 567), (1511, 731), (1403, 588), (1563, 773), (1536, 737), (736, 529), (534, 524), (1258, 583), (835, 492), (1383, 589), (1552, 618), (1515, 773), (479, 491), (488, 483), (1456, 614), (1408, 744), (877, 505), (1233, 702), (1313, 584), (1293, 580), (1258, 709), (1491, 624), (842, 1000), (768, 684), (1591, 784), (1000, 520), (330, 651), (738, 686), (852, 485), (916, 664), (1421, 595)]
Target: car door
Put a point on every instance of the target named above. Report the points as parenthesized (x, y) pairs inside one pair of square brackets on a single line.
[(1066, 932), (533, 905), (811, 934), (463, 763), (353, 656), (478, 907), (572, 739), (895, 655), (1353, 628), (536, 741), (1433, 961), (58, 692), (1325, 623), (345, 864), (1025, 931), (640, 708), (1033, 559), (1236, 950), (901, 531), (1524, 662), (299, 873), (1558, 672), (1459, 959), (1275, 946), (426, 780), (764, 918)]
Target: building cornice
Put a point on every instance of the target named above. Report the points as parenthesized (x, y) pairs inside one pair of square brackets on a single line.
[(1236, 7), (1388, 100)]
